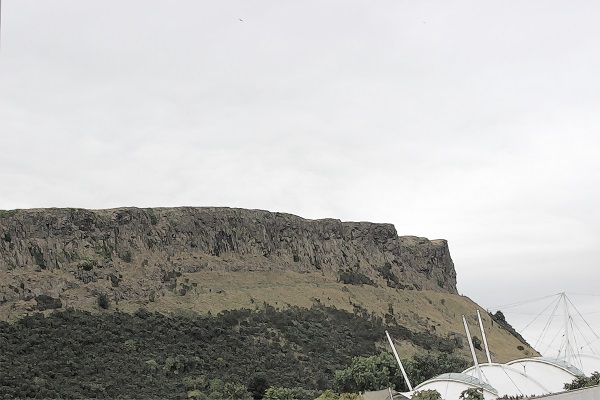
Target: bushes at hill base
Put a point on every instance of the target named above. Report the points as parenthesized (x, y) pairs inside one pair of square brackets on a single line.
[(382, 371), (331, 395), (202, 389), (424, 366), (429, 394), (76, 354), (369, 373)]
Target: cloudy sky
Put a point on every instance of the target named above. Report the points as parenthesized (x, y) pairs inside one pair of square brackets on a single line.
[(473, 121)]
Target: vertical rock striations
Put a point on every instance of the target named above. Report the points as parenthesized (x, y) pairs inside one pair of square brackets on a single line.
[(100, 245)]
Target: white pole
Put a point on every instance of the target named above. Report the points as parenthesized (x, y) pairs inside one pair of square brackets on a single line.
[(472, 350), (487, 349), (399, 362), (567, 344)]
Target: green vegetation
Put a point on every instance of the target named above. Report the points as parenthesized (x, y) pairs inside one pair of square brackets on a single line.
[(152, 218), (72, 255), (424, 366), (369, 373), (428, 394), (278, 393), (7, 213), (103, 250), (87, 265), (37, 255), (127, 256), (47, 303), (584, 381), (103, 301), (476, 342), (472, 394), (235, 354), (331, 395), (498, 317), (382, 371)]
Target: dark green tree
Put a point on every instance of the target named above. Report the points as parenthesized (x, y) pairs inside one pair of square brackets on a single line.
[(369, 373), (257, 386), (424, 366)]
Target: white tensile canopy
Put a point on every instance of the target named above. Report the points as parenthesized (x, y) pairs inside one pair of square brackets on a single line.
[(553, 373), (451, 385), (534, 376), (587, 363), (526, 377), (509, 381)]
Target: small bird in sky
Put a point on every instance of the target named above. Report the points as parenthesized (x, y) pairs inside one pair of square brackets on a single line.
[(241, 19)]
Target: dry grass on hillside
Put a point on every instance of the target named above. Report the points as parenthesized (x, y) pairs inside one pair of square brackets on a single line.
[(434, 312), (424, 311)]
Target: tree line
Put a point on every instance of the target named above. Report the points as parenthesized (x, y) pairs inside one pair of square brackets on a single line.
[(234, 354)]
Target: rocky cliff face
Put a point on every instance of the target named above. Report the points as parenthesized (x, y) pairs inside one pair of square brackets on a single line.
[(46, 252)]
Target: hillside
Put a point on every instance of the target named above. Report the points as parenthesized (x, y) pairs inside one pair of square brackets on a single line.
[(203, 261)]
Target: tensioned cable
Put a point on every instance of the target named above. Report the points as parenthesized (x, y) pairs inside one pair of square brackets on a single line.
[(550, 347), (560, 346), (578, 313), (547, 307), (593, 341), (547, 326), (572, 349), (575, 354), (522, 302), (544, 315), (576, 327), (583, 335), (513, 382)]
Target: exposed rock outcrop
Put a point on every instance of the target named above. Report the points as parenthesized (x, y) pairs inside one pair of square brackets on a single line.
[(88, 246)]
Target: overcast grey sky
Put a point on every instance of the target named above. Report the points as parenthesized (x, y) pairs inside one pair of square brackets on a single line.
[(472, 121)]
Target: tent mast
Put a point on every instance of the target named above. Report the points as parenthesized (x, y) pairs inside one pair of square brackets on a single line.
[(567, 341), (399, 362), (487, 349), (472, 349)]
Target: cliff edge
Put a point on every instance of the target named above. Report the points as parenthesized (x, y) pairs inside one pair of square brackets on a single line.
[(46, 252)]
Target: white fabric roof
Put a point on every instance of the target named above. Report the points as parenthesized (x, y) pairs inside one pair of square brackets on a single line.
[(509, 381), (588, 363), (551, 372), (525, 377), (451, 385)]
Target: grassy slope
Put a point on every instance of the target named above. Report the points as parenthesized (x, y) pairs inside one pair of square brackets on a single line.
[(419, 311), (434, 312)]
